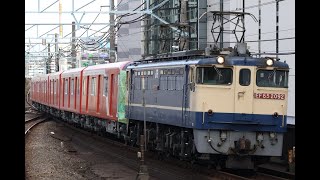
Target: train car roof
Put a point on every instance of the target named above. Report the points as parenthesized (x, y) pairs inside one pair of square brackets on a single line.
[(119, 65), (70, 72)]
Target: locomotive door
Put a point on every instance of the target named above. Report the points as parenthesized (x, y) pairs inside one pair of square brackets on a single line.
[(244, 93)]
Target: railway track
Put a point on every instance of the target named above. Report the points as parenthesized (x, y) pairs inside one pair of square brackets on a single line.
[(156, 167), (30, 123)]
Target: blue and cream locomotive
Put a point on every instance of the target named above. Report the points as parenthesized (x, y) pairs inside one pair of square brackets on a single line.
[(228, 109)]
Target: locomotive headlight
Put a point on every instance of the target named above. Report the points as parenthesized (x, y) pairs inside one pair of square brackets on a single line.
[(220, 59), (269, 62)]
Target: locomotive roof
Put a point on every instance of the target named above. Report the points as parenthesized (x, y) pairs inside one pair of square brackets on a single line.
[(229, 61), (243, 61)]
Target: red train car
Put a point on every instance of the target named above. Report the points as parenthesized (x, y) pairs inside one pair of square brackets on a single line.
[(34, 94), (42, 89), (54, 86), (99, 93), (70, 98)]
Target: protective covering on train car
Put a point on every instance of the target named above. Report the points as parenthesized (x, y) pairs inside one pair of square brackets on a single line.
[(122, 98)]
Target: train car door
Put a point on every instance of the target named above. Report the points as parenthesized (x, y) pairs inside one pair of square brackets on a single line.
[(243, 93)]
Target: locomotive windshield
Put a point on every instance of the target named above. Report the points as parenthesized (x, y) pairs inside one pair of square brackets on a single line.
[(272, 78), (214, 75)]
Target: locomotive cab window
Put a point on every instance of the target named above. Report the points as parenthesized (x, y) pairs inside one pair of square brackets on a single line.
[(244, 78), (214, 76), (272, 78)]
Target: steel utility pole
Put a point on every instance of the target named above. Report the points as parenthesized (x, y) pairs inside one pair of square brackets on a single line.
[(48, 60), (143, 173), (277, 28), (221, 21), (112, 38), (259, 38), (244, 29), (73, 46), (56, 52)]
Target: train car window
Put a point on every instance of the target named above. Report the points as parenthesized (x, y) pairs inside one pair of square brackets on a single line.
[(244, 77), (161, 71), (93, 86), (72, 86), (214, 76), (105, 87), (272, 78), (84, 86), (151, 72), (65, 86), (55, 87), (78, 86), (51, 87)]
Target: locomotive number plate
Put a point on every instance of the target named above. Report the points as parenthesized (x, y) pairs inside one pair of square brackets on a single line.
[(268, 96)]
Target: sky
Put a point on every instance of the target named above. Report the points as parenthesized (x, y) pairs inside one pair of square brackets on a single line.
[(33, 18)]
